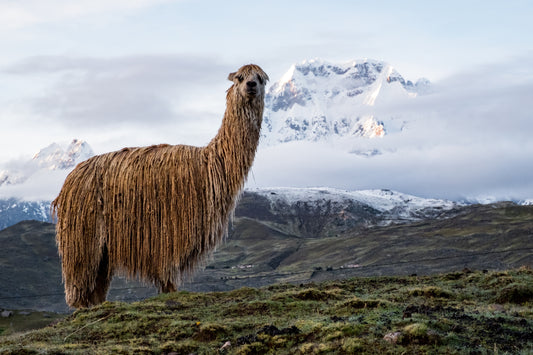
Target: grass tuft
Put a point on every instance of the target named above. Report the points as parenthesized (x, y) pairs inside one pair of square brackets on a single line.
[(515, 293)]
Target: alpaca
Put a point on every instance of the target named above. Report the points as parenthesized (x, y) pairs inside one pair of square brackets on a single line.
[(157, 212)]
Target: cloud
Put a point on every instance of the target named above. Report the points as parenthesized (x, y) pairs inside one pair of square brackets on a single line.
[(451, 172), (43, 185), (147, 90), (470, 138), (23, 13)]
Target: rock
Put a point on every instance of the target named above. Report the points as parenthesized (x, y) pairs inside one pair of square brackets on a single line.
[(6, 314), (226, 346), (497, 308), (392, 337)]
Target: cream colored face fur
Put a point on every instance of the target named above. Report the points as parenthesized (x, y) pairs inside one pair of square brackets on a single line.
[(249, 81)]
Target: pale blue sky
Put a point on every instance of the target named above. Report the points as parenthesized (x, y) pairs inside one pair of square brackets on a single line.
[(421, 38), (134, 72)]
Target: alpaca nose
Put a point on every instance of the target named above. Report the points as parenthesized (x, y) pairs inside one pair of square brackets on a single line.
[(251, 84)]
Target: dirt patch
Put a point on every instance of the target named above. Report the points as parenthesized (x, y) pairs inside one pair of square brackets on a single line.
[(210, 332)]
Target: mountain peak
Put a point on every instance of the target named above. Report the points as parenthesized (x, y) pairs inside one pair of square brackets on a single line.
[(317, 99), (51, 157), (54, 157)]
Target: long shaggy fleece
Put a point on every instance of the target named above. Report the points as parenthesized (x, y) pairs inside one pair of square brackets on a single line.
[(156, 212)]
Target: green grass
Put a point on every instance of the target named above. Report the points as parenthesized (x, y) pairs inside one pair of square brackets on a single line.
[(454, 313)]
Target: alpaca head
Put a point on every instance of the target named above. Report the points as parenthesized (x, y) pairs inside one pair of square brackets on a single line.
[(249, 82)]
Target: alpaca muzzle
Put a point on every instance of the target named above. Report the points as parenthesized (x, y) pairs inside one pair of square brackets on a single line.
[(251, 88)]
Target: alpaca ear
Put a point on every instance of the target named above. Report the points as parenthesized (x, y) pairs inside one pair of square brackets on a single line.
[(231, 76)]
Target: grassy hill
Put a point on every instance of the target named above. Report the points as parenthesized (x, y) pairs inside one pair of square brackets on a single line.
[(453, 313), (260, 251)]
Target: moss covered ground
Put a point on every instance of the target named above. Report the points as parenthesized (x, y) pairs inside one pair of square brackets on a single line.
[(466, 312)]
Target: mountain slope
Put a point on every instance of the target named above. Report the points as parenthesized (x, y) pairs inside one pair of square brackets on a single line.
[(312, 211), (493, 236), (263, 250), (14, 210), (30, 267), (345, 208)]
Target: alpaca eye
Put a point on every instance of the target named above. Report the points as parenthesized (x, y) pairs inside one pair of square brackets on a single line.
[(239, 77), (260, 80)]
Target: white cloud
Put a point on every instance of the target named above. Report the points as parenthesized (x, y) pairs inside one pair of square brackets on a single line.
[(111, 102), (43, 185), (147, 90)]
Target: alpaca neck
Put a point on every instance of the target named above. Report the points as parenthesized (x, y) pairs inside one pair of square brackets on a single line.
[(233, 149)]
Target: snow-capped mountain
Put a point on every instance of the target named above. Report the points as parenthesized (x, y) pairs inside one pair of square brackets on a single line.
[(11, 177), (385, 206), (344, 209), (23, 184), (13, 211), (52, 157), (320, 100)]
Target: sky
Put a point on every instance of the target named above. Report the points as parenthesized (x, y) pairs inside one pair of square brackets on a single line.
[(121, 73)]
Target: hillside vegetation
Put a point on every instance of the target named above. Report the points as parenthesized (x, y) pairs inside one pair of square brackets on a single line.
[(454, 313)]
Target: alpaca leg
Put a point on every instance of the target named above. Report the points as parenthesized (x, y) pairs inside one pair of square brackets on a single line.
[(77, 290), (103, 280), (89, 285), (167, 287), (74, 295)]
